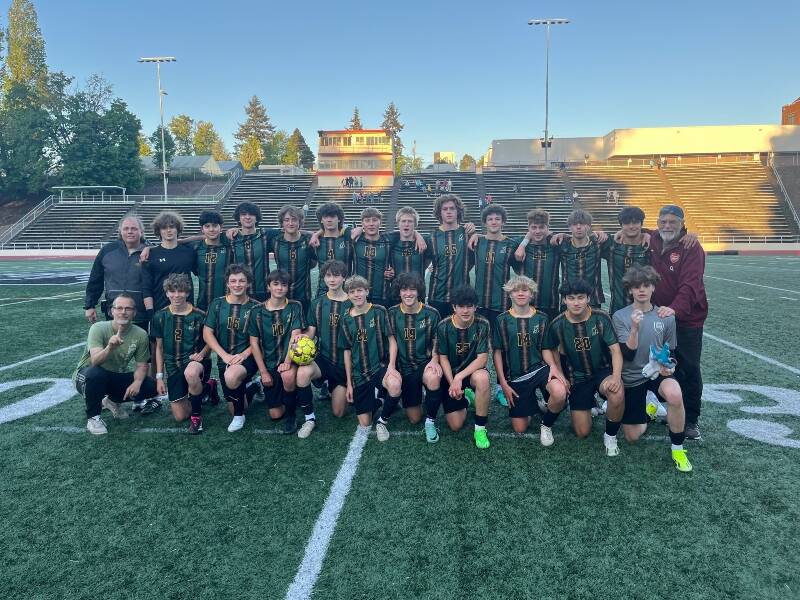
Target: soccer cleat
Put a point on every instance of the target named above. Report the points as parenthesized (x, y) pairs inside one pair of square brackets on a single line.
[(610, 443), (213, 392), (236, 424), (546, 436), (289, 425), (381, 432), (481, 439), (681, 461), (139, 405), (195, 425), (599, 407), (469, 394), (252, 390), (151, 405), (95, 426), (306, 429), (500, 396), (692, 431), (655, 410), (431, 433), (117, 410)]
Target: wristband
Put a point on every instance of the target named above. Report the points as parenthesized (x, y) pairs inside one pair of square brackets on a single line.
[(159, 376)]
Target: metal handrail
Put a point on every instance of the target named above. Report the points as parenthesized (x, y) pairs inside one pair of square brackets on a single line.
[(235, 175), (784, 192), (27, 219)]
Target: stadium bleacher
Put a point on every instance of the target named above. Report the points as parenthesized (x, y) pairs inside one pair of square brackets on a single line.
[(74, 224), (269, 192), (381, 199), (465, 185), (520, 191)]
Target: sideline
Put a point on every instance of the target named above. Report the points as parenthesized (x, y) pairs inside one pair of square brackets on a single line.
[(744, 350), (769, 287), (34, 358)]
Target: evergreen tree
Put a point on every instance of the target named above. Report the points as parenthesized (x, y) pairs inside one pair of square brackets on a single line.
[(275, 149), (355, 122), (144, 145), (257, 124), (391, 123), (204, 137), (169, 147), (23, 142), (297, 151), (26, 62), (182, 129), (250, 153)]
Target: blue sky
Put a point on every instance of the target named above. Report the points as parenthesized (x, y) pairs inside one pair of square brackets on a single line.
[(461, 73)]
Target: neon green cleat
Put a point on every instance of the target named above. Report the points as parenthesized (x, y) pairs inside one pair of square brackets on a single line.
[(470, 396), (681, 461), (481, 439)]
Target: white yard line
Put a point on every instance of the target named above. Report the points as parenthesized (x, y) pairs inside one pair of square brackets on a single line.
[(58, 297), (753, 284), (317, 545), (40, 356), (743, 298), (744, 350), (787, 298)]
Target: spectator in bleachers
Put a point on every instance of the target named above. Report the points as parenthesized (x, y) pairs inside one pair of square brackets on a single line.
[(116, 270), (575, 196), (608, 196), (615, 195)]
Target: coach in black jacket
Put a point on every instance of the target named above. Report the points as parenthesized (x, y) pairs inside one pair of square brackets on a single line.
[(116, 269)]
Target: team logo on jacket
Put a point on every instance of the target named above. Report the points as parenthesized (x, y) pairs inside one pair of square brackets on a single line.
[(674, 257)]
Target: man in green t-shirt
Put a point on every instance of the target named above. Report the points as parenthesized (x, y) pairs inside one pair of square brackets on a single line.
[(113, 368), (591, 359)]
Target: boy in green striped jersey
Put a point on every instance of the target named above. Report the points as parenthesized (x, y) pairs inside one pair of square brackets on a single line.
[(592, 359), (539, 260), (494, 258), (581, 254), (620, 256), (370, 357), (406, 254), (463, 347), (212, 256), (333, 241), (272, 327), (251, 246), (293, 254), (325, 316), (182, 361), (373, 257), (451, 259), (225, 332), (414, 324), (523, 366)]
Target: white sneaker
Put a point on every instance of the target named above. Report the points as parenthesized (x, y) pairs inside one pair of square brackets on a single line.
[(610, 442), (306, 429), (236, 424), (381, 432), (117, 410), (546, 436), (95, 426)]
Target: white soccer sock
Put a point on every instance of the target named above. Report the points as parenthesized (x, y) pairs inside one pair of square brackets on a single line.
[(429, 420), (479, 427), (677, 446), (311, 417)]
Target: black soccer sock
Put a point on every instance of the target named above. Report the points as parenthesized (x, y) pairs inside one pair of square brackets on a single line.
[(237, 396), (290, 402), (197, 403), (549, 418), (305, 398), (612, 427), (389, 406), (433, 400), (481, 421), (677, 438)]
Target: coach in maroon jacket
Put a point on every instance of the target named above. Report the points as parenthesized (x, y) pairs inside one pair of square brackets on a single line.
[(681, 292)]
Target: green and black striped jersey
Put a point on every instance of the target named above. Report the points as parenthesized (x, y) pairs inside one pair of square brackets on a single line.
[(367, 338), (209, 266), (619, 258), (415, 334), (584, 346), (493, 262), (229, 323), (520, 340), (253, 250), (181, 335), (583, 263), (298, 259), (273, 328), (372, 258), (462, 346), (334, 248), (405, 256), (541, 264), (325, 316), (451, 261)]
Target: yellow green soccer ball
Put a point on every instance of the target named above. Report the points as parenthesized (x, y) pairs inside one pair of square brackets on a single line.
[(303, 351)]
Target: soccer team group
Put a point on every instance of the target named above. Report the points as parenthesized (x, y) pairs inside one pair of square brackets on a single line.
[(384, 339)]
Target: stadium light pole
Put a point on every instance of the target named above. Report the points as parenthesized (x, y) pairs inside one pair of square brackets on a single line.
[(547, 23), (161, 93)]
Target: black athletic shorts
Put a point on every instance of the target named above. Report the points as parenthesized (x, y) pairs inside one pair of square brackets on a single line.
[(412, 387), (364, 400), (249, 365), (636, 400), (525, 405), (581, 395), (273, 395), (178, 388), (449, 404), (334, 374)]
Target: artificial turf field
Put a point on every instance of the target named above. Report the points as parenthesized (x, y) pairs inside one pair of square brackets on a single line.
[(149, 512)]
